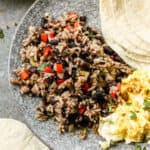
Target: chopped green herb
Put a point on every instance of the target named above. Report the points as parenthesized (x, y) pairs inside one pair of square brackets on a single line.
[(101, 74), (1, 34), (144, 148), (87, 101), (73, 75), (66, 51), (129, 103), (133, 115), (146, 104), (71, 128), (110, 106), (126, 95), (41, 68), (91, 35), (138, 147)]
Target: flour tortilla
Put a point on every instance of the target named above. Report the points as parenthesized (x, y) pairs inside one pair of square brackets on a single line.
[(145, 61), (143, 44), (15, 135), (139, 58), (123, 27), (138, 13), (109, 26), (125, 45), (110, 29), (120, 50)]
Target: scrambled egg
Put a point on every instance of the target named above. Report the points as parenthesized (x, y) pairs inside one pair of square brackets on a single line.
[(131, 119)]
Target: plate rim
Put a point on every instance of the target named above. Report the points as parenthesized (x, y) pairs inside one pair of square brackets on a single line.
[(14, 36)]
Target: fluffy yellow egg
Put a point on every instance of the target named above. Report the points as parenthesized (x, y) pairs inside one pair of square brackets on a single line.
[(130, 122)]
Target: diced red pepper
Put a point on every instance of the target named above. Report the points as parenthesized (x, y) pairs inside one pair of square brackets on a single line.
[(46, 51), (48, 70), (51, 35), (24, 75), (119, 86), (44, 37), (76, 24), (59, 68), (59, 81), (82, 109), (113, 94), (86, 87)]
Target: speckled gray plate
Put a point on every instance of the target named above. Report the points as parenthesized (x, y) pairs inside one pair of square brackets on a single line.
[(46, 131)]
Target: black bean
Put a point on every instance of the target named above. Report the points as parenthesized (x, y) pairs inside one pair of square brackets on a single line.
[(88, 94), (94, 32), (84, 54), (118, 78), (57, 52), (43, 22), (84, 122), (63, 111), (53, 60), (64, 62), (94, 56), (60, 91), (101, 39), (73, 75), (82, 45), (122, 74), (50, 80), (66, 75), (79, 98), (83, 18), (45, 112), (106, 89), (85, 66), (108, 50), (53, 42), (88, 28), (35, 41), (53, 101), (117, 58), (90, 106), (70, 40), (74, 55), (98, 97), (72, 118), (71, 44)]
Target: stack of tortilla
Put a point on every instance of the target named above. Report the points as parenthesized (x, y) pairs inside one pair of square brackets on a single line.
[(126, 29)]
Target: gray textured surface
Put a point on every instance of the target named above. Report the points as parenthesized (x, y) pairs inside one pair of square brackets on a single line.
[(23, 108), (11, 11)]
